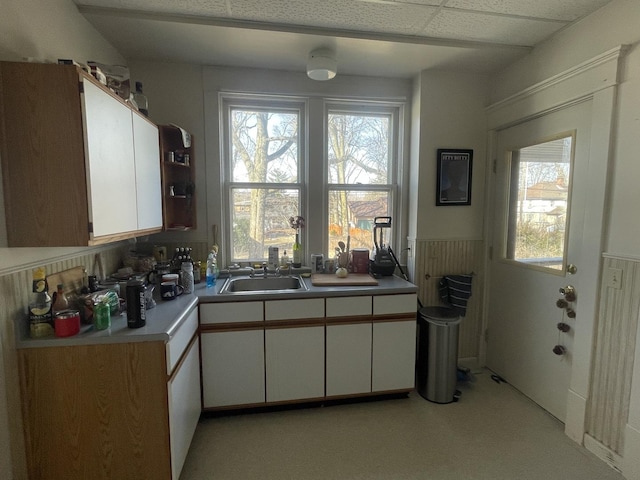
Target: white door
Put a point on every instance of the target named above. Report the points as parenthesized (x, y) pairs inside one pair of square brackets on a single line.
[(523, 316), (148, 183), (111, 174)]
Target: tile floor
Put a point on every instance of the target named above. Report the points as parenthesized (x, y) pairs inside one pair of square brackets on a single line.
[(492, 433)]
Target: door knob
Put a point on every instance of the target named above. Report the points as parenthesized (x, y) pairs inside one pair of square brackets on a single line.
[(572, 269), (569, 293)]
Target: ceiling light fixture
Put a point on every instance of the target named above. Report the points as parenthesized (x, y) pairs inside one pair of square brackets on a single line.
[(322, 65)]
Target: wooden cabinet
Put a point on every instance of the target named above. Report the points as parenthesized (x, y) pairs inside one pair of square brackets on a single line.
[(70, 150), (178, 178), (112, 411)]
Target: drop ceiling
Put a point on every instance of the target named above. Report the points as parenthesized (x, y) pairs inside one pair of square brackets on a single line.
[(396, 38)]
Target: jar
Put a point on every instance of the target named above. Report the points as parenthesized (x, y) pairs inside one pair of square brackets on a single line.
[(187, 277), (66, 323), (197, 274)]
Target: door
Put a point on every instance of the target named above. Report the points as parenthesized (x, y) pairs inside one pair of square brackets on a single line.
[(111, 175), (148, 184), (524, 282)]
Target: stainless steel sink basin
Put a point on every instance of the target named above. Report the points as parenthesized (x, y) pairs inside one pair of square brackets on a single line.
[(260, 285)]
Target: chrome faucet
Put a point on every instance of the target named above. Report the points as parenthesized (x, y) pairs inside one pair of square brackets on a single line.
[(265, 269)]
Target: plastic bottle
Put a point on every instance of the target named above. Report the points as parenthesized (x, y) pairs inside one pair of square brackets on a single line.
[(141, 100), (284, 260), (187, 277), (61, 302), (40, 319), (212, 270)]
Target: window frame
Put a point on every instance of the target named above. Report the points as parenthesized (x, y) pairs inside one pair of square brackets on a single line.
[(313, 112)]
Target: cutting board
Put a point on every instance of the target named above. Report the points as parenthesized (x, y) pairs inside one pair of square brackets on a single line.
[(72, 279), (354, 279)]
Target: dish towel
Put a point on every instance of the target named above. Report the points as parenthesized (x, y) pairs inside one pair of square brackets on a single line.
[(455, 291)]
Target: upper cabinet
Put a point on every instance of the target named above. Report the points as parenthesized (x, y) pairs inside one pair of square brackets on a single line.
[(79, 165), (178, 181)]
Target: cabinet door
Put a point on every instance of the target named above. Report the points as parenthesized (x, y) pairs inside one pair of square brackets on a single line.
[(148, 184), (232, 368), (294, 363), (348, 359), (393, 357), (184, 408), (111, 175)]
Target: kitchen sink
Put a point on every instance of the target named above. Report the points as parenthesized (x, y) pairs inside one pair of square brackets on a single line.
[(261, 285)]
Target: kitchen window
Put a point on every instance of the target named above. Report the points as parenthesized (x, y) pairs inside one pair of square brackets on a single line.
[(339, 176)]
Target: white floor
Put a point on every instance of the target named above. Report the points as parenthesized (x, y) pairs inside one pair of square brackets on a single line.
[(492, 433)]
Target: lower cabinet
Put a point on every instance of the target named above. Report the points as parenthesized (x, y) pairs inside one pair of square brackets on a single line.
[(232, 368), (257, 353), (393, 355), (184, 407), (348, 359), (294, 363), (111, 411)]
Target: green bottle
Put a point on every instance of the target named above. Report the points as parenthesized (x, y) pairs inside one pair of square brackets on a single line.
[(297, 252)]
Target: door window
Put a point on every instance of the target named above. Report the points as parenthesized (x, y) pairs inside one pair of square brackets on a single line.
[(539, 196)]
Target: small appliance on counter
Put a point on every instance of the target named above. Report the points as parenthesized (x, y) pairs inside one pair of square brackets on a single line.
[(383, 262)]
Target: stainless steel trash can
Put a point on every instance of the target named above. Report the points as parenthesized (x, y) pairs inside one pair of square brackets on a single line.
[(437, 359)]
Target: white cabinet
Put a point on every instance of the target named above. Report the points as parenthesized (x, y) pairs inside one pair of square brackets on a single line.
[(148, 181), (393, 355), (184, 407), (232, 368), (110, 162), (294, 363), (348, 359), (69, 144)]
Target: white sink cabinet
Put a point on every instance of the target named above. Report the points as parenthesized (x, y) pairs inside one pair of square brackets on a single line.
[(257, 353)]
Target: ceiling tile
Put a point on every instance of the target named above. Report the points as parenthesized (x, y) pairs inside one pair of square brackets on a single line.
[(566, 10), (338, 14), (485, 28)]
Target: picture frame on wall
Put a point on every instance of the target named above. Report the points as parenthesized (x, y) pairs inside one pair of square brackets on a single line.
[(454, 177)]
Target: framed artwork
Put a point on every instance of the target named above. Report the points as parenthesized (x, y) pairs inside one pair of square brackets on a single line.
[(454, 177)]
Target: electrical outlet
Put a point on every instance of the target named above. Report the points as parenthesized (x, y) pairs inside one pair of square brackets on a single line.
[(614, 277)]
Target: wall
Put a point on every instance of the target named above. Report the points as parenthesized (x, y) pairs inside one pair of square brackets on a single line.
[(44, 31), (615, 24)]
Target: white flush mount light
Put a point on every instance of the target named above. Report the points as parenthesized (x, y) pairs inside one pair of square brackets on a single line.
[(322, 65)]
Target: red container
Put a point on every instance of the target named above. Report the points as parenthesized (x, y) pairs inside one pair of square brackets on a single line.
[(360, 260), (66, 323)]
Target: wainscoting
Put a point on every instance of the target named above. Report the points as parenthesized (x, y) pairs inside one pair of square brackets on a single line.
[(430, 261), (608, 404)]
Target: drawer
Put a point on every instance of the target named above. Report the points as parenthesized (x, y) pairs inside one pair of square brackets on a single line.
[(294, 309), (212, 313), (348, 306), (401, 303), (180, 340)]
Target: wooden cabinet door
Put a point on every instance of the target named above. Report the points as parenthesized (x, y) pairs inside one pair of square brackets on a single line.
[(294, 363), (110, 163), (184, 408), (232, 368), (147, 163), (348, 359), (393, 355)]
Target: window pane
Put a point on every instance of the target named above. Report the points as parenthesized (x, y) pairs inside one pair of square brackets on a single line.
[(264, 146), (358, 148), (260, 219), (352, 213), (538, 206)]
